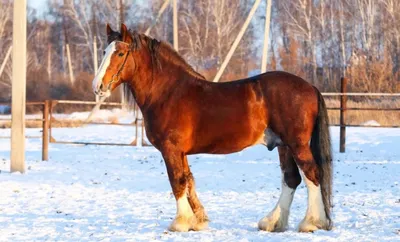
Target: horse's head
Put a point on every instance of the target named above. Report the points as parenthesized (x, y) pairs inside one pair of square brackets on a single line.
[(118, 63)]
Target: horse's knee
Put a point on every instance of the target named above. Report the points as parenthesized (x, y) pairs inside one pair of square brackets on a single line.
[(176, 173)]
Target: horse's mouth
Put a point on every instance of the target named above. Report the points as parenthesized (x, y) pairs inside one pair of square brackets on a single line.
[(101, 93)]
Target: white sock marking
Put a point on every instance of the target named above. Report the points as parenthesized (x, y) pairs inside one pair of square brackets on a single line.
[(277, 219), (183, 207), (286, 198), (315, 208)]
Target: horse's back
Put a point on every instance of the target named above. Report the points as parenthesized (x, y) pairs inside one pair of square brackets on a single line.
[(283, 93)]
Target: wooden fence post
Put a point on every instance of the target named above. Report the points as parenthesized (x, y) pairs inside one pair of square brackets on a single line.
[(343, 106), (52, 103), (45, 134), (18, 89)]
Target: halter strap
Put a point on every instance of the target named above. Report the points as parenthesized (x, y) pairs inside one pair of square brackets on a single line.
[(116, 77)]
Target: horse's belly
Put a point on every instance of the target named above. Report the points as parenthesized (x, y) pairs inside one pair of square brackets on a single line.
[(231, 129), (228, 142), (235, 144)]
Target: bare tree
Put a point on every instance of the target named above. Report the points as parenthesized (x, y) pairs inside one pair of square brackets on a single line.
[(367, 14), (5, 41), (208, 30), (299, 17), (321, 40), (391, 15)]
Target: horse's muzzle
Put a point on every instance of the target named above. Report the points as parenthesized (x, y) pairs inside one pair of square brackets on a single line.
[(102, 91)]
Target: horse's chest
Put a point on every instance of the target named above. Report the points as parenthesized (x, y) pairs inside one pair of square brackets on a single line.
[(155, 132), (150, 133)]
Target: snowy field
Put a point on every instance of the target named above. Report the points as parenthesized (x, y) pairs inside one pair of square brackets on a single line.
[(110, 193)]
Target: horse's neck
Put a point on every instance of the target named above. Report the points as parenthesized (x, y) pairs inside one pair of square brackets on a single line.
[(155, 84)]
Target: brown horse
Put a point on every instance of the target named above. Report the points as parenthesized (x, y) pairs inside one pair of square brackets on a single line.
[(185, 114)]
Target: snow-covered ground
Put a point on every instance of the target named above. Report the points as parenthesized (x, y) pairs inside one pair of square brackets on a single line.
[(111, 193)]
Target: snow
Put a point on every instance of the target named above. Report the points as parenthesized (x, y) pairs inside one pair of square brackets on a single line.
[(113, 193), (371, 123)]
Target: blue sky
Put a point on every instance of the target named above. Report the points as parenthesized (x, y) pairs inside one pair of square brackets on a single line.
[(39, 5)]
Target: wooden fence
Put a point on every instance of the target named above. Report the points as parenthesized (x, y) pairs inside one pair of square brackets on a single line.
[(26, 119), (343, 110), (48, 119)]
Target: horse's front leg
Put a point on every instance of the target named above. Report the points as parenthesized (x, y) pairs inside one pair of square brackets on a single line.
[(197, 207), (185, 219)]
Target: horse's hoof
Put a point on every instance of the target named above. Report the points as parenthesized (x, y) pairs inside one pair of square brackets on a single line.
[(174, 227), (201, 221), (307, 228), (267, 224), (179, 227), (200, 226), (182, 224), (310, 225)]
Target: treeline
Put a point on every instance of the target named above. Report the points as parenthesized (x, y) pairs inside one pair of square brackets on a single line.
[(320, 40)]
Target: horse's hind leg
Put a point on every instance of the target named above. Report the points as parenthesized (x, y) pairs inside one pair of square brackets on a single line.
[(197, 207), (315, 217), (277, 219), (185, 219)]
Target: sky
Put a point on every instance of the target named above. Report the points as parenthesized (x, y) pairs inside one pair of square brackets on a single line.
[(39, 5)]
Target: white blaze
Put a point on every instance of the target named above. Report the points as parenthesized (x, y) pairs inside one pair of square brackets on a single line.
[(98, 79)]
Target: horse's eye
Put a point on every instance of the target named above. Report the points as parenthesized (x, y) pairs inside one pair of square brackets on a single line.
[(104, 52), (121, 54)]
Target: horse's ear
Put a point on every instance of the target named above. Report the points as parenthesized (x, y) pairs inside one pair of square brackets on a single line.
[(126, 36), (109, 30)]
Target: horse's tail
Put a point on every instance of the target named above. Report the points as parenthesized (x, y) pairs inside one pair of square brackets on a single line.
[(322, 152)]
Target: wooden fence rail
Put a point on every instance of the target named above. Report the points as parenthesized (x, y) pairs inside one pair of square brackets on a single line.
[(138, 123), (26, 119)]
